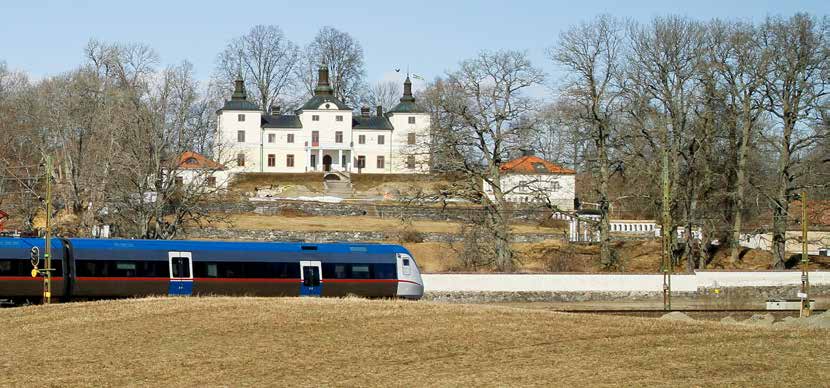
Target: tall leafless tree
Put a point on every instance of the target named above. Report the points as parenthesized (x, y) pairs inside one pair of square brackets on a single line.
[(344, 57), (794, 86), (482, 106), (266, 60), (592, 54)]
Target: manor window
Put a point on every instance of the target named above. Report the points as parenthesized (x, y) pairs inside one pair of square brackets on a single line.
[(338, 118), (240, 136), (380, 162), (410, 161), (272, 137), (338, 137), (410, 138), (412, 119), (289, 160), (290, 138), (240, 117), (315, 117), (272, 160), (361, 161), (361, 139), (240, 160), (381, 140)]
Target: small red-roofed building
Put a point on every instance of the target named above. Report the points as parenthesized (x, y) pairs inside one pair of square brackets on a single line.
[(195, 168), (531, 179)]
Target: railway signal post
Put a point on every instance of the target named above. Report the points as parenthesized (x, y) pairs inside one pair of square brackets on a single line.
[(804, 295), (47, 255)]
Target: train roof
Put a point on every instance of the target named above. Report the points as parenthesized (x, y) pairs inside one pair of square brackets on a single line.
[(190, 245)]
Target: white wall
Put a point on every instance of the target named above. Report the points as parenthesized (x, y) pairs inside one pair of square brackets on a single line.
[(612, 282), (229, 124), (257, 147), (522, 188)]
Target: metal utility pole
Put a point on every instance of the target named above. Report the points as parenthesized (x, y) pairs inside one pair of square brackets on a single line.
[(805, 261), (47, 279)]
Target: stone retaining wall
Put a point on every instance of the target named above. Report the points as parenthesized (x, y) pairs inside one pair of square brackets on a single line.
[(329, 236), (726, 298), (312, 208)]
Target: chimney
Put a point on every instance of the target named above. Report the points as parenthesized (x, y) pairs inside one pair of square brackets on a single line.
[(380, 110), (364, 111), (275, 110)]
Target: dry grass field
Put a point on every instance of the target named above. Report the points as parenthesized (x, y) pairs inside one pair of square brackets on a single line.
[(357, 224), (354, 342)]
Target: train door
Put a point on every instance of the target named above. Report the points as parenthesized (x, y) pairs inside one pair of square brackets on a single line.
[(311, 275), (181, 273)]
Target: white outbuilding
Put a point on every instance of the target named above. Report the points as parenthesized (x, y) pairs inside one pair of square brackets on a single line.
[(530, 179)]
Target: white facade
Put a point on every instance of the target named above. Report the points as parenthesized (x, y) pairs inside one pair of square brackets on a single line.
[(530, 179), (324, 135)]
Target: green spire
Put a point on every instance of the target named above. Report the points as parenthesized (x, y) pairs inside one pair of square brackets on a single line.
[(239, 90), (323, 87)]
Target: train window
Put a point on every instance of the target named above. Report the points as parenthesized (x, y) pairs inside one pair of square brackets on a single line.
[(311, 277), (361, 271), (358, 249), (384, 271), (181, 267), (406, 262), (212, 272), (5, 267), (240, 269)]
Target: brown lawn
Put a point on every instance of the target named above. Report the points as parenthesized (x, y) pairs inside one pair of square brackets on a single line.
[(357, 224), (354, 342)]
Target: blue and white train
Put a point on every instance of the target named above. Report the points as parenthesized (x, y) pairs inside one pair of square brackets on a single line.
[(100, 269)]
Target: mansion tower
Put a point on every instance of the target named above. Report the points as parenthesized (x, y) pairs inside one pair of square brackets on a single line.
[(324, 135)]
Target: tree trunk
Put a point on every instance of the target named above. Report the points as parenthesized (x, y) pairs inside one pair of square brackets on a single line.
[(740, 182), (606, 257)]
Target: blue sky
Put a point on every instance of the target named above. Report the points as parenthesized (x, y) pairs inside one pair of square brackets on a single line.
[(47, 37)]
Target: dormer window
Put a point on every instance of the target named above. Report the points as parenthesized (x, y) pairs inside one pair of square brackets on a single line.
[(540, 167), (315, 117), (191, 161), (240, 117)]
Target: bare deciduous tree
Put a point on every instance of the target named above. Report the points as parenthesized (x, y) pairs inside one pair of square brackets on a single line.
[(266, 60), (793, 88), (592, 53), (344, 57), (482, 108)]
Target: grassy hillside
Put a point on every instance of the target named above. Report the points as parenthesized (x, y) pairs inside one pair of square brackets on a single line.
[(353, 342)]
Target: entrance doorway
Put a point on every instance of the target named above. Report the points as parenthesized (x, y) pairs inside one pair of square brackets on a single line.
[(326, 163)]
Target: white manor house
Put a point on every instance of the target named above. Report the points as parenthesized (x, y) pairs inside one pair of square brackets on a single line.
[(324, 135)]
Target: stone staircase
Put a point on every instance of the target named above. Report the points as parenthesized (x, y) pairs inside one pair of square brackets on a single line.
[(338, 184)]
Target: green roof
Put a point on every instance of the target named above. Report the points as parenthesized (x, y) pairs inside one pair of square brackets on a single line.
[(371, 122), (239, 105), (407, 107), (239, 99), (315, 102)]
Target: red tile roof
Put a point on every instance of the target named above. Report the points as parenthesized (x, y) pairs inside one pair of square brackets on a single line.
[(533, 165), (195, 161)]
